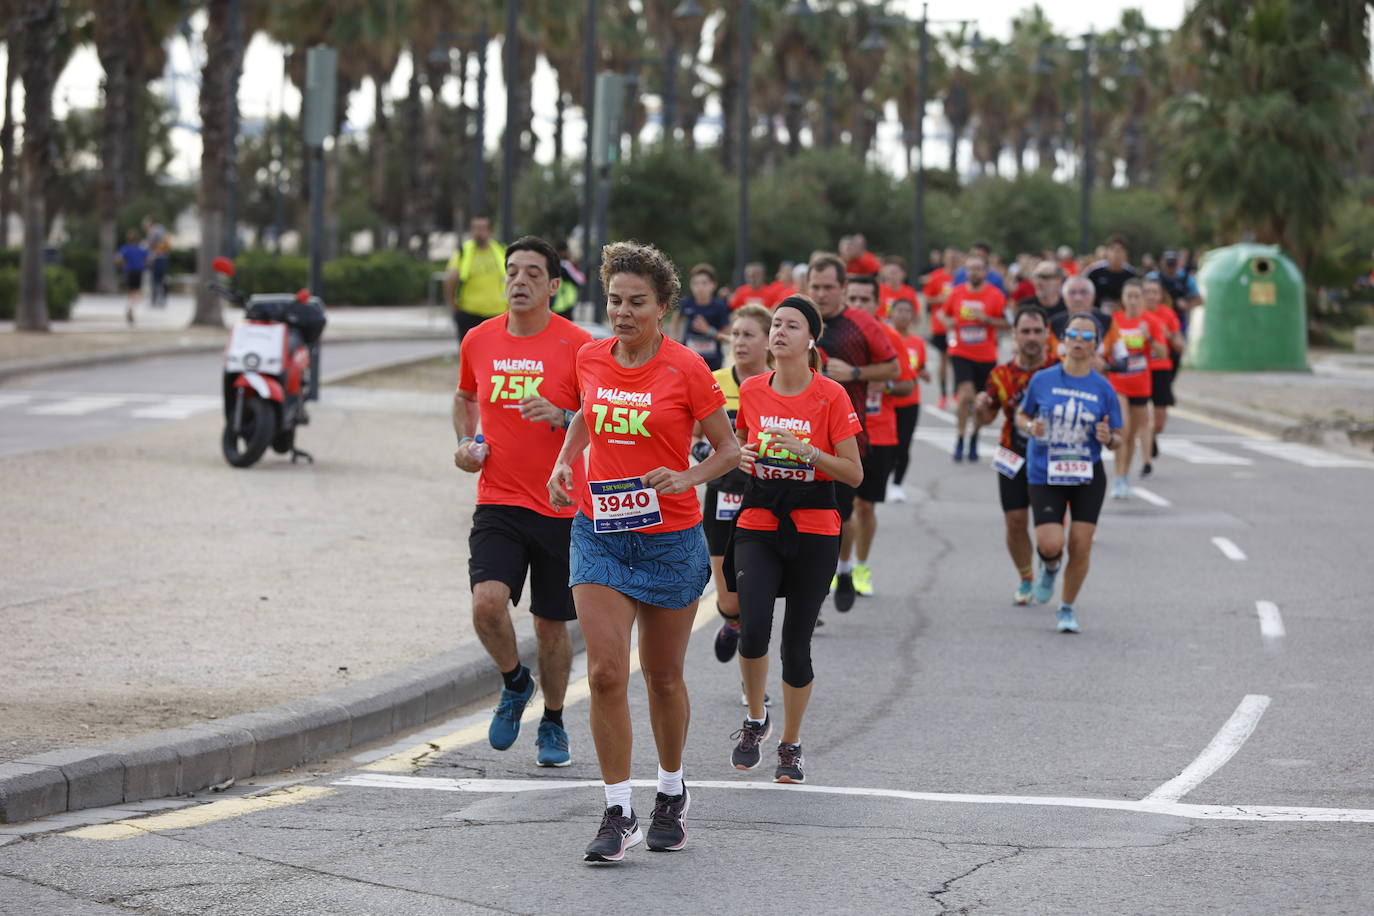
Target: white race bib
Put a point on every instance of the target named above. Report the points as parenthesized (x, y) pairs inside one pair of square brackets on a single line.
[(728, 505), (874, 404), (1137, 362), (973, 334), (1008, 463), (774, 469), (1068, 468), (623, 505)]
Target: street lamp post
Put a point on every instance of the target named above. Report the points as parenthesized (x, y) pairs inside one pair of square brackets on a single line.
[(746, 42), (687, 13), (589, 259), (1085, 201), (511, 135)]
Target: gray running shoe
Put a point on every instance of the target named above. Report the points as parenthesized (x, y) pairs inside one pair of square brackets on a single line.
[(746, 754), (668, 826), (789, 764), (616, 834)]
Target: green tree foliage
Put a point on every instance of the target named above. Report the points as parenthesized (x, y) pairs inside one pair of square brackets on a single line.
[(674, 199)]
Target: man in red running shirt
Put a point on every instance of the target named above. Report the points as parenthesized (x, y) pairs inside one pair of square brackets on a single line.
[(974, 313), (939, 284), (754, 291), (517, 385), (894, 286)]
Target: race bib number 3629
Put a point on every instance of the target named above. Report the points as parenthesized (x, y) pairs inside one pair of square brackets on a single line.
[(623, 505)]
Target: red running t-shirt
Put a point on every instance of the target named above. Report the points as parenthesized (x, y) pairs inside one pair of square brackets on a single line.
[(968, 337), (821, 416), (881, 408), (888, 294), (916, 359), (1129, 339), (1169, 323), (937, 289), (640, 419), (750, 295), (499, 369)]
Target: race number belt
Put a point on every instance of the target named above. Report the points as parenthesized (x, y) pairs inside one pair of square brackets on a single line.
[(1008, 463), (1068, 467), (623, 505), (727, 506)]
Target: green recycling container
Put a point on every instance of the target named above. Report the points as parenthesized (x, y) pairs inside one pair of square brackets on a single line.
[(1253, 315)]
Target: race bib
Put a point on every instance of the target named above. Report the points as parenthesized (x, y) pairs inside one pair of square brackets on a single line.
[(1137, 362), (773, 469), (874, 404), (1008, 463), (728, 505), (973, 334), (1068, 468), (623, 505)]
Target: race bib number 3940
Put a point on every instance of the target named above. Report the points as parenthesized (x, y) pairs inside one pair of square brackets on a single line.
[(623, 505)]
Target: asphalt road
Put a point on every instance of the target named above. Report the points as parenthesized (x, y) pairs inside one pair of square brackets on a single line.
[(67, 407), (1202, 746)]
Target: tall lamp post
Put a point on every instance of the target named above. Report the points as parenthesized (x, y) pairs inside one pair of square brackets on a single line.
[(746, 42), (687, 14), (589, 259), (512, 108)]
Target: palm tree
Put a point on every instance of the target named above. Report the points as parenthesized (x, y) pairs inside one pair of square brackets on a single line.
[(39, 23), (8, 169)]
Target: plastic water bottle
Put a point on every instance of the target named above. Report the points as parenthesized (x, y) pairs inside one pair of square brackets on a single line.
[(480, 449)]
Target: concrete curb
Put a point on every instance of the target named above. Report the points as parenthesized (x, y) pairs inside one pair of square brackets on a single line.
[(184, 760), (18, 367), (1275, 424)]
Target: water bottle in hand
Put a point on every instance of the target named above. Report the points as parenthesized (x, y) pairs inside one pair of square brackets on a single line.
[(479, 449)]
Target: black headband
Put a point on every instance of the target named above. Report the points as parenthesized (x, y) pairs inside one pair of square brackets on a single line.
[(807, 308)]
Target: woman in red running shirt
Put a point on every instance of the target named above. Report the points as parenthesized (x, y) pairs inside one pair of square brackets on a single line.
[(1134, 337), (798, 430), (637, 551)]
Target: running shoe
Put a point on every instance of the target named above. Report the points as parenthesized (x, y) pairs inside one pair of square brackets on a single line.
[(727, 640), (552, 742), (616, 834), (789, 764), (505, 724), (1044, 585), (746, 754), (958, 448), (1121, 489), (1146, 470), (1023, 593), (1066, 621), (668, 824), (844, 592), (744, 699), (863, 580), (944, 402), (972, 448), (1154, 448), (895, 493)]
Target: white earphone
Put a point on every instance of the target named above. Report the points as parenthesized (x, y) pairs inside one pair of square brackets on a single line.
[(810, 345)]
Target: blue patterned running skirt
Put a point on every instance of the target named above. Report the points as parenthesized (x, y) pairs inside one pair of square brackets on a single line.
[(666, 569)]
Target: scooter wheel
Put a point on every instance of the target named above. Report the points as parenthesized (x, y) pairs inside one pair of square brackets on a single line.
[(258, 425)]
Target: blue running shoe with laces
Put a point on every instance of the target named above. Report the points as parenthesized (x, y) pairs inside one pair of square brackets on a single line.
[(1066, 621), (1023, 594), (1044, 584), (552, 742), (505, 723)]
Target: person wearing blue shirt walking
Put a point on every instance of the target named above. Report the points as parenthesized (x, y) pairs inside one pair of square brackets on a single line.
[(994, 278), (133, 257), (1069, 411)]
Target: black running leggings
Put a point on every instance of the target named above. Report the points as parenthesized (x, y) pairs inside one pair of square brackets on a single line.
[(760, 568), (906, 429)]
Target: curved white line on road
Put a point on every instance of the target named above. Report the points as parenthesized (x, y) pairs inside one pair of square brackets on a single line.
[(1151, 497), (1229, 549), (1271, 622), (1166, 808), (1220, 749)]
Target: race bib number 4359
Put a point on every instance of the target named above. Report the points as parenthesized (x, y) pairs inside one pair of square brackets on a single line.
[(623, 505)]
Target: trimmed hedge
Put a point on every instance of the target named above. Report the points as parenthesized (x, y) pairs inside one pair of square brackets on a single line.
[(381, 278), (61, 288)]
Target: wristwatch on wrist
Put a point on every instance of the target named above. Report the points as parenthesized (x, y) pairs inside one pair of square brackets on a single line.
[(855, 372)]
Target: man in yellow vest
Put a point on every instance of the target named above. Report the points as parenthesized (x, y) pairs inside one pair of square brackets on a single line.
[(475, 280)]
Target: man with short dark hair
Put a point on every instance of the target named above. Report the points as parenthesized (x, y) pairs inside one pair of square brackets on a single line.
[(1048, 279), (858, 351), (994, 277), (517, 385), (1109, 276), (754, 290), (974, 314)]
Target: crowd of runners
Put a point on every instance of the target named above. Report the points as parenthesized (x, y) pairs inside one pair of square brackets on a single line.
[(792, 404)]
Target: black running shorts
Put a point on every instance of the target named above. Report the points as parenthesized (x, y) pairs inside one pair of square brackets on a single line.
[(1015, 491), (507, 541), (1162, 392), (968, 370), (877, 466), (1084, 501)]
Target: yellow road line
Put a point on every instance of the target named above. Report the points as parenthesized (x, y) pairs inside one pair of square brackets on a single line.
[(412, 758), (201, 814)]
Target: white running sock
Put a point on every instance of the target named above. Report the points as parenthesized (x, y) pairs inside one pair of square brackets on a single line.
[(844, 567), (670, 783), (618, 793), (756, 721)]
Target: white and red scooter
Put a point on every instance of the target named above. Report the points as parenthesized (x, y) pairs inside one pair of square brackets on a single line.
[(271, 368)]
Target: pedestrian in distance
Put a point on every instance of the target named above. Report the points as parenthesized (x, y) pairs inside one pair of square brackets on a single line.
[(133, 258), (159, 246), (902, 317), (1164, 368), (1005, 388), (720, 506), (474, 279), (638, 555), (1070, 411), (974, 313), (517, 391), (1134, 338), (939, 284), (702, 316), (799, 432)]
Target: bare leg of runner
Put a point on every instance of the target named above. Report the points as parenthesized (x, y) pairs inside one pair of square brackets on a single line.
[(607, 619), (663, 636), (1076, 569)]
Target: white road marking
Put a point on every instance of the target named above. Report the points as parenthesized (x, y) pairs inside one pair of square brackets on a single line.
[(176, 408), (931, 410), (1220, 749), (1147, 806), (1151, 497), (1306, 455), (77, 406), (14, 400), (1271, 622), (1229, 549), (1193, 453)]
